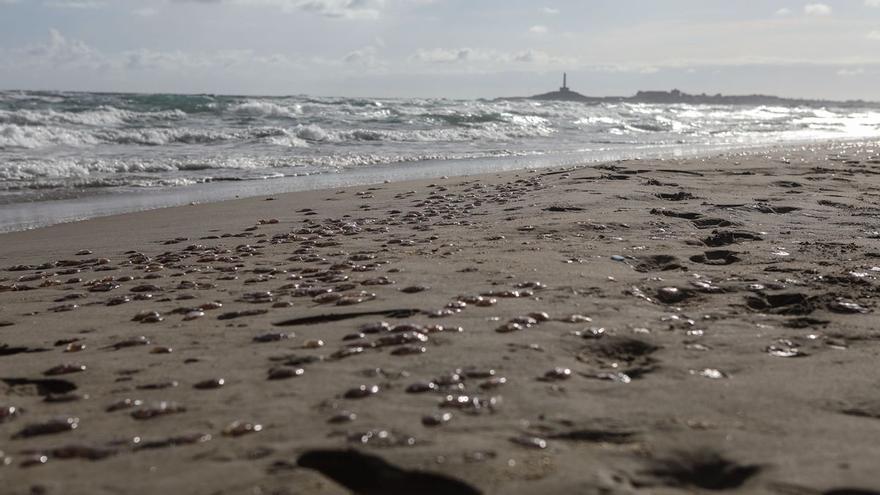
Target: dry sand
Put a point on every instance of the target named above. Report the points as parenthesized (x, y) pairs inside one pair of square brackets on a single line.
[(711, 326)]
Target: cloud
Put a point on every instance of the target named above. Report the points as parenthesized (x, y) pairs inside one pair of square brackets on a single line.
[(340, 9), (444, 55), (783, 12), (75, 4), (817, 9), (60, 51), (145, 12), (848, 72), (62, 54), (538, 29), (872, 3), (479, 59), (348, 9), (552, 11), (538, 57), (874, 35), (364, 58)]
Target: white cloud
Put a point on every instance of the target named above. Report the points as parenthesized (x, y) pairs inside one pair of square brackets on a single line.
[(60, 51), (850, 72), (366, 57), (538, 29), (552, 11), (444, 55), (538, 57), (817, 9), (75, 4), (145, 12), (342, 9), (783, 12), (488, 59), (348, 9), (874, 35), (872, 3)]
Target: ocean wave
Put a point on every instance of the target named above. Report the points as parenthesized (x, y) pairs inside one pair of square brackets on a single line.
[(36, 137), (165, 136), (189, 104), (101, 116), (257, 108), (489, 132), (31, 137), (132, 171), (103, 182)]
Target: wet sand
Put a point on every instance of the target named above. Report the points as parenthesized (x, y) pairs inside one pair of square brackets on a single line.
[(635, 327)]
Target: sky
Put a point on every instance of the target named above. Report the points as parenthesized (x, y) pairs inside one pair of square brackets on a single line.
[(443, 48)]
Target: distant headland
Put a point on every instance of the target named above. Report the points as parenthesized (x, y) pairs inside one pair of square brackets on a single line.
[(564, 93)]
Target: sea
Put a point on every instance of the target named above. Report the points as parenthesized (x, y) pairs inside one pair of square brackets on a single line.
[(68, 156)]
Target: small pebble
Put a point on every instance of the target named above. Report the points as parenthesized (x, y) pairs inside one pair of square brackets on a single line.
[(436, 419), (137, 341), (75, 347), (313, 344), (210, 384), (34, 460), (192, 315), (361, 392), (409, 350), (709, 373), (558, 374), (64, 369), (285, 373), (530, 442), (342, 417), (272, 337), (421, 387), (9, 412), (239, 428), (51, 427), (124, 404), (576, 319), (540, 316), (379, 327), (158, 409), (148, 317), (413, 289)]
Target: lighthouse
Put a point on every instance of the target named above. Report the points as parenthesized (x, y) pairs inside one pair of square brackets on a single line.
[(563, 93)]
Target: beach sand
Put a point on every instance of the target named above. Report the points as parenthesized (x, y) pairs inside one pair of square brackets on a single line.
[(635, 327)]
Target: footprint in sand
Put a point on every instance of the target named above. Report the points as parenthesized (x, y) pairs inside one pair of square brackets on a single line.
[(619, 358), (371, 475), (657, 263), (716, 257), (702, 469)]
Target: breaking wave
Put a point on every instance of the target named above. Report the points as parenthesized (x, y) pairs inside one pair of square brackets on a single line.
[(89, 140)]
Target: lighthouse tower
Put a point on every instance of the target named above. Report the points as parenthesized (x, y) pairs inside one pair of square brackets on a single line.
[(564, 88)]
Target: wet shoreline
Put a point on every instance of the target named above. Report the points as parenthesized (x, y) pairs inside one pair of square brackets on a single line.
[(662, 326), (81, 205)]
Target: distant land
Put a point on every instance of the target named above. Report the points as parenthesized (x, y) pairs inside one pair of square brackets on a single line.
[(564, 93)]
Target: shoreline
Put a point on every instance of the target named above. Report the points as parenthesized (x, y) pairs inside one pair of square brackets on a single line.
[(644, 326), (15, 217)]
